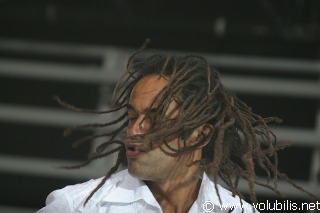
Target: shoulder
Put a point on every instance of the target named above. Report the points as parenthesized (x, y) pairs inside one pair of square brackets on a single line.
[(78, 193), (72, 197)]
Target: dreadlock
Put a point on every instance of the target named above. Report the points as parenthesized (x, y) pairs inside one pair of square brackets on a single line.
[(241, 141)]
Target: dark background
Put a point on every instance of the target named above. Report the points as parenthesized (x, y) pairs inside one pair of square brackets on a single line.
[(269, 28), (288, 29)]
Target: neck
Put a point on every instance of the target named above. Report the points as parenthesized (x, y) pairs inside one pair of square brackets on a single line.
[(179, 194)]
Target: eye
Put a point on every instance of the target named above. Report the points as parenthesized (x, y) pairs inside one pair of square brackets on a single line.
[(132, 115), (132, 119)]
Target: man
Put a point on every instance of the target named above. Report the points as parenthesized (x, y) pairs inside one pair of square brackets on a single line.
[(182, 127)]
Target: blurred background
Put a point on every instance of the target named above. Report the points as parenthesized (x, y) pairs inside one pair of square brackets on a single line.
[(268, 52)]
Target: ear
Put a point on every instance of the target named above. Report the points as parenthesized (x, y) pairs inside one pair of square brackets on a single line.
[(201, 134)]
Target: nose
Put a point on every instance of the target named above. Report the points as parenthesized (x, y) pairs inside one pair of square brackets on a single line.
[(138, 126)]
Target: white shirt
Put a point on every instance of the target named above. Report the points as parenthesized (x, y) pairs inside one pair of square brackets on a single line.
[(124, 193)]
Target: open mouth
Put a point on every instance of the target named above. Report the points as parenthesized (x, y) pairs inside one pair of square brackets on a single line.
[(132, 151), (131, 148)]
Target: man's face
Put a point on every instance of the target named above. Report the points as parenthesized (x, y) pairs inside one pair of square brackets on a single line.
[(154, 164)]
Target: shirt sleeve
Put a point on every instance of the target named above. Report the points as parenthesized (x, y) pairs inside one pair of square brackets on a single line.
[(58, 201)]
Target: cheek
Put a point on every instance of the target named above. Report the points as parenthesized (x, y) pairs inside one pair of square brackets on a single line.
[(173, 110), (171, 146)]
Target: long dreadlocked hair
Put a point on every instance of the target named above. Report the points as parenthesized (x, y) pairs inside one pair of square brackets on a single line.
[(240, 142)]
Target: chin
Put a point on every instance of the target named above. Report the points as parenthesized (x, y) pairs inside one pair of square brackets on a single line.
[(139, 174), (135, 172)]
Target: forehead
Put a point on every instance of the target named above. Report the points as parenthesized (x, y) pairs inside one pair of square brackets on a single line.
[(146, 90)]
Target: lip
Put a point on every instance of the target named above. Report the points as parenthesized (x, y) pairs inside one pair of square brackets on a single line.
[(133, 152)]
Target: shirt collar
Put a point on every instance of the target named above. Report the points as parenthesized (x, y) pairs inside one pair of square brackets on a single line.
[(208, 192), (131, 190)]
